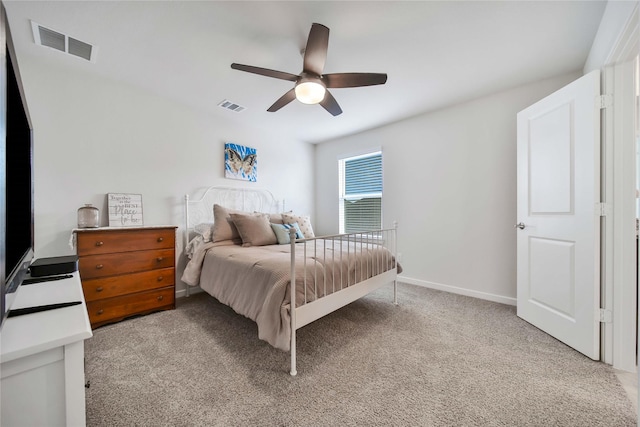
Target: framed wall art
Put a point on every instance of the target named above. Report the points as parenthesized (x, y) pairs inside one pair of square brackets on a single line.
[(240, 162), (125, 210)]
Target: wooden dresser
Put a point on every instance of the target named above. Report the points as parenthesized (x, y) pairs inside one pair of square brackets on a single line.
[(126, 271)]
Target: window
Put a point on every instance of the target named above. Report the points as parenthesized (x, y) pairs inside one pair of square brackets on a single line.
[(360, 181)]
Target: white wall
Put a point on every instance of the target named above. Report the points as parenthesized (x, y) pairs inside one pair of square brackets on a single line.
[(449, 175), (94, 136), (611, 41), (450, 182)]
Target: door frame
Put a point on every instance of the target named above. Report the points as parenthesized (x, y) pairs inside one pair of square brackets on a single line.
[(619, 296)]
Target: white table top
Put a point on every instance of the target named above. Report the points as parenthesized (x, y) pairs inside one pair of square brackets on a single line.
[(33, 333)]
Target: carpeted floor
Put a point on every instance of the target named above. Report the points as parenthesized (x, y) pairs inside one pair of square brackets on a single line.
[(436, 359)]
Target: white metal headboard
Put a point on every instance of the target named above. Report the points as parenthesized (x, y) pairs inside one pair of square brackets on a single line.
[(244, 199)]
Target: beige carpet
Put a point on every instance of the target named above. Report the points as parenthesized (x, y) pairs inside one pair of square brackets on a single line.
[(437, 359)]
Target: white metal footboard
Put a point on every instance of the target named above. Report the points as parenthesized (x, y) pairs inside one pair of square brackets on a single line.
[(375, 265)]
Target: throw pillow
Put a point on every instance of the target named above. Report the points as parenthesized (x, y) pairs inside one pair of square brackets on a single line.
[(304, 222), (254, 229), (223, 226), (282, 232)]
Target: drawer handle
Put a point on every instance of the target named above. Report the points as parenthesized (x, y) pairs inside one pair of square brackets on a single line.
[(160, 297), (99, 266), (160, 278), (160, 239), (99, 243), (159, 259), (99, 289), (100, 311)]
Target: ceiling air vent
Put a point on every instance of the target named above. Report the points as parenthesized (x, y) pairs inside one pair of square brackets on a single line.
[(47, 37), (228, 105)]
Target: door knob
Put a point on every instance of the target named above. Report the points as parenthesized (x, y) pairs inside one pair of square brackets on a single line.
[(519, 225)]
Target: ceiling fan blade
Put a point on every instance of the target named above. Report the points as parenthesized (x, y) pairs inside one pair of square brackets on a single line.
[(331, 105), (315, 54), (283, 100), (339, 80), (265, 72)]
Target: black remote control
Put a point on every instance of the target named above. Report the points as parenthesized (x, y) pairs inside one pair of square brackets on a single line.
[(45, 279), (39, 308)]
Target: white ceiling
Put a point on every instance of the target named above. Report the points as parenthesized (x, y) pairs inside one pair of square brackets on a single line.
[(436, 53)]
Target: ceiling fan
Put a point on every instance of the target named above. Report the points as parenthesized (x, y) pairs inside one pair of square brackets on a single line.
[(311, 85)]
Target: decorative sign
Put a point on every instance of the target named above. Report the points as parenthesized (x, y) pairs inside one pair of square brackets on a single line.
[(240, 162), (125, 210)]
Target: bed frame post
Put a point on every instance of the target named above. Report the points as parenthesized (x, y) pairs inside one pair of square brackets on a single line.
[(186, 232), (395, 255), (292, 304)]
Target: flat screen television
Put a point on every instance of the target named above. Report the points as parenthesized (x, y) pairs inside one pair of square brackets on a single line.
[(16, 212)]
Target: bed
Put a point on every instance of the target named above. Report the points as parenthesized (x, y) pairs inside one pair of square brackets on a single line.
[(245, 250)]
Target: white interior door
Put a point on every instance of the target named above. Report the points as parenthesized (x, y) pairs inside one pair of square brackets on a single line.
[(558, 237)]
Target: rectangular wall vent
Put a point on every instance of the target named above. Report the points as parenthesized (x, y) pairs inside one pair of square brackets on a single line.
[(228, 105), (81, 49), (51, 38), (47, 37)]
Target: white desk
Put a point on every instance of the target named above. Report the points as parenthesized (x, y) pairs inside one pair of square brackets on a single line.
[(42, 358)]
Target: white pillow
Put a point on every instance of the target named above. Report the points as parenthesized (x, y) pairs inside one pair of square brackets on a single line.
[(304, 222)]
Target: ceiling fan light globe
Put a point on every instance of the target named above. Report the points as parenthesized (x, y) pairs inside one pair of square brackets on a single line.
[(310, 92)]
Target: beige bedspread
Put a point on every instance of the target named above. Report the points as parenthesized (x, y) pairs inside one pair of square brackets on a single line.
[(254, 281)]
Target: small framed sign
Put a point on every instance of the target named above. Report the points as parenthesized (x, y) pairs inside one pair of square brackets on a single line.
[(125, 210)]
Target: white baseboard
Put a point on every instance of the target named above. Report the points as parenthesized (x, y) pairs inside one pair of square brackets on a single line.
[(460, 291), (403, 279)]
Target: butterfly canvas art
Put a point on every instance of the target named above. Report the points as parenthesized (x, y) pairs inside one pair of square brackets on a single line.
[(240, 162)]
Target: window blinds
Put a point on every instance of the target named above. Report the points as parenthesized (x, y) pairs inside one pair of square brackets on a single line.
[(362, 194), (362, 215), (363, 176)]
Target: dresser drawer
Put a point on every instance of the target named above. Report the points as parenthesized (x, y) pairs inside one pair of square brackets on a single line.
[(117, 308), (104, 242), (107, 287), (128, 262)]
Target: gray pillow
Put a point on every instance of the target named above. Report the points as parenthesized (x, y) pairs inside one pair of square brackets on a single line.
[(254, 229), (223, 226)]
